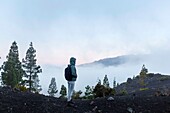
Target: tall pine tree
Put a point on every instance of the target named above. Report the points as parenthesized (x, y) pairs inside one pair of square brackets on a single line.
[(52, 90), (12, 71), (31, 70)]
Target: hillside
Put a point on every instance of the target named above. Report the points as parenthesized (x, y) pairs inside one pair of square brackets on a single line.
[(153, 96), (152, 85), (14, 101)]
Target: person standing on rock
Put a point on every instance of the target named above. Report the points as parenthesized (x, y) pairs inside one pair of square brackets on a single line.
[(71, 76)]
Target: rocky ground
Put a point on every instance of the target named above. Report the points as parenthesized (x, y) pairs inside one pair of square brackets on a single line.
[(13, 101)]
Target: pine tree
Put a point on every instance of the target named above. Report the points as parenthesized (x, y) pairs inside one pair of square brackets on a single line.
[(63, 91), (12, 69), (144, 71), (36, 86), (52, 90), (31, 70), (88, 91), (106, 82), (114, 82), (99, 82), (99, 90), (143, 75)]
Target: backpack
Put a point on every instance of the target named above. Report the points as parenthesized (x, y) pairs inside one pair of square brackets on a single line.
[(67, 74)]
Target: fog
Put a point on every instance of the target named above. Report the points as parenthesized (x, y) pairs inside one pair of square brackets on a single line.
[(157, 62), (89, 75)]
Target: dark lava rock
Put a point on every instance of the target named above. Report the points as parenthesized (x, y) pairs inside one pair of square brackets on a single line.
[(13, 101)]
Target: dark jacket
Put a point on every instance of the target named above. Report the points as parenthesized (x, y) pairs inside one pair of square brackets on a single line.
[(73, 68)]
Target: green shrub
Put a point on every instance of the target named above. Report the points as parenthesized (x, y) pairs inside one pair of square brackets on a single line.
[(123, 92), (76, 94), (143, 89), (102, 91), (21, 88), (164, 78), (88, 97)]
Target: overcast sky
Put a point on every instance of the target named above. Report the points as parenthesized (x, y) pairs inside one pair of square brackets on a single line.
[(86, 29)]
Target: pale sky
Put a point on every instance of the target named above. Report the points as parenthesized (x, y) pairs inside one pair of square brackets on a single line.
[(86, 29)]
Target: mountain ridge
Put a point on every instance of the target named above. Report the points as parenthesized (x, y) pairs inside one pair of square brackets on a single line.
[(114, 61)]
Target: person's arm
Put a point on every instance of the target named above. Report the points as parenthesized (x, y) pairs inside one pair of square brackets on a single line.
[(73, 71)]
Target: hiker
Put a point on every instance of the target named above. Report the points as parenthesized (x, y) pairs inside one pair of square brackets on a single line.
[(71, 80)]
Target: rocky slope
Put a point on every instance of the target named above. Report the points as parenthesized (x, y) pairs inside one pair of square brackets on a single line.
[(14, 101), (152, 84)]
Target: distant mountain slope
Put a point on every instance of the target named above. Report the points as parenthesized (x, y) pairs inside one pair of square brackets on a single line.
[(152, 84), (115, 61)]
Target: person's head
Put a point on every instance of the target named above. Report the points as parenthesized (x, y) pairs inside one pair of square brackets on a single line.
[(72, 61)]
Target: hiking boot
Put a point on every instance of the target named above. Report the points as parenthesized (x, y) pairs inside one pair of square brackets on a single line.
[(71, 101), (71, 104)]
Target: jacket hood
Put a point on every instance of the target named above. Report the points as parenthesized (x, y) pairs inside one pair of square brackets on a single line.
[(72, 61)]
